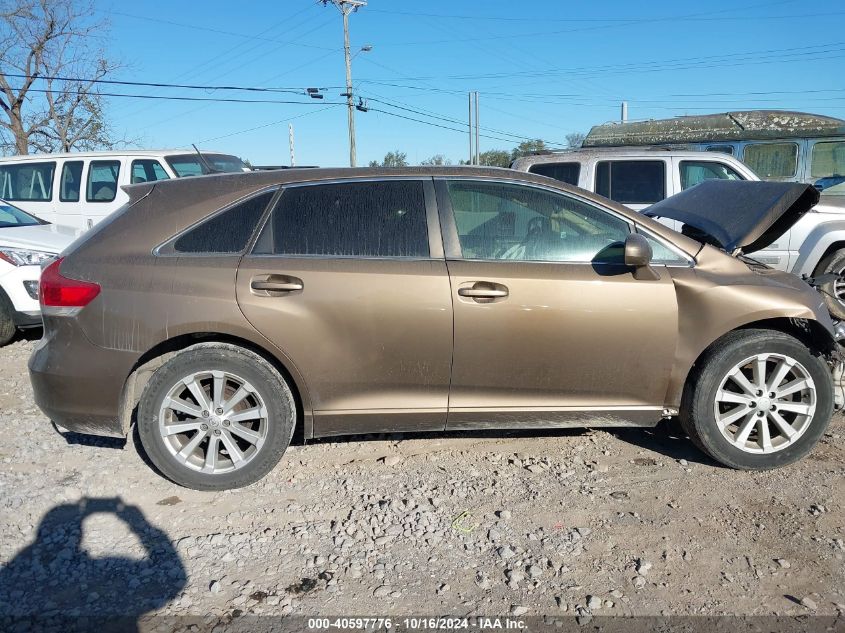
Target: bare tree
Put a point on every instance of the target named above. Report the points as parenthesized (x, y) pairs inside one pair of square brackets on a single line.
[(40, 40), (575, 139)]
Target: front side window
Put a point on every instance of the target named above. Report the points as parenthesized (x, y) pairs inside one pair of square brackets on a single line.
[(502, 221), (27, 181), (147, 170), (102, 180), (226, 232), (355, 219), (565, 172), (694, 172), (631, 181), (828, 167), (71, 183), (662, 254), (772, 160)]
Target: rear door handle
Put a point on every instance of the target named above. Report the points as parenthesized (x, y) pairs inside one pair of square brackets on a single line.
[(275, 285), (482, 293)]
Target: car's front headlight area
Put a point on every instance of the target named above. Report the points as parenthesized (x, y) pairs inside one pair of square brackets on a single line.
[(24, 256)]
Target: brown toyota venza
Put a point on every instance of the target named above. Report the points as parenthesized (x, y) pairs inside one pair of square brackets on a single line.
[(220, 313)]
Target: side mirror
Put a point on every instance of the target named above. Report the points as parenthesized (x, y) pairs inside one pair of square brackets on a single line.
[(638, 256)]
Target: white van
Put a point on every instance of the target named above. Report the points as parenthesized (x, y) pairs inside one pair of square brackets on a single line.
[(80, 189)]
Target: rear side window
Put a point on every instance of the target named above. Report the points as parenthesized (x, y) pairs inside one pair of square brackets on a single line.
[(722, 149), (147, 170), (565, 172), (228, 231), (772, 160), (695, 171), (71, 183), (27, 181), (631, 181), (356, 219), (102, 180)]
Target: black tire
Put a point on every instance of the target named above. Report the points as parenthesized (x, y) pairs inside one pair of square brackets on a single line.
[(263, 377), (833, 263), (7, 323), (697, 414)]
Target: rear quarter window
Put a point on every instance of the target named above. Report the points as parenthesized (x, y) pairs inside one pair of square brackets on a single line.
[(565, 172), (772, 160), (226, 232), (631, 181)]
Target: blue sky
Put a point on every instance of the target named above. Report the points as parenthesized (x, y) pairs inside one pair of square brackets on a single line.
[(543, 69)]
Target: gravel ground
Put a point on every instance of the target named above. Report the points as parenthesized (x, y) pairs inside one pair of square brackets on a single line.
[(632, 522)]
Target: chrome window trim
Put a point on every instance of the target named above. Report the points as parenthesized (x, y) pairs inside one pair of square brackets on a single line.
[(159, 251)]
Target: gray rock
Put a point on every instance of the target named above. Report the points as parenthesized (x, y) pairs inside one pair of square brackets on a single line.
[(808, 602)]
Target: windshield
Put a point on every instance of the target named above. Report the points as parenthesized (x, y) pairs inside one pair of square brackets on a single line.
[(12, 216), (828, 168), (192, 165)]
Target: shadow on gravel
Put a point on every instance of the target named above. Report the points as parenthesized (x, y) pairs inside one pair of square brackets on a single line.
[(30, 334), (53, 584), (82, 439), (666, 438)]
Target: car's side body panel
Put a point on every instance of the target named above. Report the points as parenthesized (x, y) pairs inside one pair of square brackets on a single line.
[(372, 338)]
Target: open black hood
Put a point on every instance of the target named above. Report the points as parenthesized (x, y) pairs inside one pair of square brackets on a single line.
[(738, 214)]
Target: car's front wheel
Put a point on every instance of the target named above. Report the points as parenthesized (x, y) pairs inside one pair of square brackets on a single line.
[(757, 399), (215, 417)]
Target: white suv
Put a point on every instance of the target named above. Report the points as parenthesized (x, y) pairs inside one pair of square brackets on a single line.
[(25, 242), (641, 176)]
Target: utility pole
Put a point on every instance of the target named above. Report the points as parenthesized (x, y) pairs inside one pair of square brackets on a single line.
[(477, 153), (290, 143), (346, 7), (469, 127)]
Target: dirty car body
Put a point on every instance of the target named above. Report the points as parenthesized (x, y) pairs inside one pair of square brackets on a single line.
[(346, 301)]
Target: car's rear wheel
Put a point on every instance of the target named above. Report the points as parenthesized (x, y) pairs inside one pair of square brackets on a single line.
[(757, 399), (215, 417), (7, 323), (833, 292)]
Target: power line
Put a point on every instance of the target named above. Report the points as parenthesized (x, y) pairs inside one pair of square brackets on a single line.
[(182, 98), (157, 84), (260, 127), (633, 67), (249, 36)]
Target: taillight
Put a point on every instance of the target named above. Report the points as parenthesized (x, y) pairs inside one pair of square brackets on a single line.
[(56, 291)]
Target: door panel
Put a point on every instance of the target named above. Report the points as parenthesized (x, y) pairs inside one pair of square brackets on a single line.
[(567, 338), (551, 329), (372, 338)]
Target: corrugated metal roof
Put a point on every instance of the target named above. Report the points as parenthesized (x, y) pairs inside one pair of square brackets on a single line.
[(726, 126)]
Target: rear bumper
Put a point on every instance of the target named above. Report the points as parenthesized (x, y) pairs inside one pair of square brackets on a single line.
[(77, 384)]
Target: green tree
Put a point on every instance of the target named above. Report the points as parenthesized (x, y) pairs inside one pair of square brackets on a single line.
[(495, 158), (392, 159), (437, 159), (529, 147)]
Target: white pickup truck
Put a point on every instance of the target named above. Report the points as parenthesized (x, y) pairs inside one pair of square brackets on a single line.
[(641, 176)]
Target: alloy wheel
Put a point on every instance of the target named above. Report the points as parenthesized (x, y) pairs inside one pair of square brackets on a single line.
[(765, 403), (213, 422)]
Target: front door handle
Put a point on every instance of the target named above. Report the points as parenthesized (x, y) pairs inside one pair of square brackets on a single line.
[(483, 291), (275, 285)]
